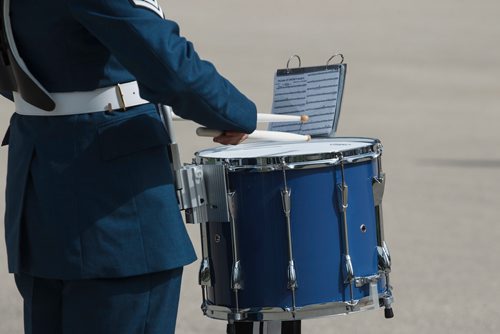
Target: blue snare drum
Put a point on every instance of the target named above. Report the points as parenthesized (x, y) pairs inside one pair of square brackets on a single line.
[(304, 235)]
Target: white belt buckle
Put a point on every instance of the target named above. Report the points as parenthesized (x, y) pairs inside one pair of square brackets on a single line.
[(117, 97), (120, 98)]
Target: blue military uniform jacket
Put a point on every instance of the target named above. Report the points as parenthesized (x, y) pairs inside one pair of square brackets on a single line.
[(91, 195)]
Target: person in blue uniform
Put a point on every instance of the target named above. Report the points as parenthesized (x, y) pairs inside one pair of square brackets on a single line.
[(93, 231)]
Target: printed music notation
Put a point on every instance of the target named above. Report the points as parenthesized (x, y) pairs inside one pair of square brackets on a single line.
[(313, 92)]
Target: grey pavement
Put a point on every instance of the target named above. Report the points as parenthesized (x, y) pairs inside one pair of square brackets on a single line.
[(422, 77)]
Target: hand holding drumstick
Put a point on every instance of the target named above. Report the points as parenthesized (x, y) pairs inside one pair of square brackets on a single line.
[(230, 138), (235, 138)]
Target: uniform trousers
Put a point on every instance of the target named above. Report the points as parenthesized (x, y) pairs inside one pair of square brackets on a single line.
[(145, 304)]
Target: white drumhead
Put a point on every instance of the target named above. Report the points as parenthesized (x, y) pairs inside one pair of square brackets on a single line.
[(286, 149)]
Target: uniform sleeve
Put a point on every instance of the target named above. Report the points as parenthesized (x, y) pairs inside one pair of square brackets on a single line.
[(168, 69)]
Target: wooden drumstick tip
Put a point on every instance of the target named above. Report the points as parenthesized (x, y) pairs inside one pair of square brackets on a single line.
[(308, 137), (304, 118)]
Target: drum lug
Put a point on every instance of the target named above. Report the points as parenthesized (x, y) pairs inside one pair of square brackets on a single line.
[(231, 201), (236, 277), (384, 258), (349, 270), (205, 274), (343, 197), (286, 195), (378, 185), (292, 276)]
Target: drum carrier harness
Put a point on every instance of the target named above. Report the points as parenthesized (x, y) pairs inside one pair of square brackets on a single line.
[(14, 74)]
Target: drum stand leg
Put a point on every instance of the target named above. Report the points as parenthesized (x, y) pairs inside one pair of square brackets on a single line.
[(240, 328), (291, 327), (267, 327)]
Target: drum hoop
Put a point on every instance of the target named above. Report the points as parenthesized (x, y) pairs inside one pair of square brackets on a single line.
[(369, 152), (277, 313)]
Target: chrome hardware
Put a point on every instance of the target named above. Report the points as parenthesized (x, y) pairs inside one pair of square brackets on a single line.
[(216, 189), (232, 213), (205, 273), (165, 113), (312, 164), (205, 277), (378, 185), (231, 205), (286, 194), (387, 301), (236, 276), (176, 168), (270, 313), (292, 276), (384, 258), (371, 151), (363, 228), (349, 270), (193, 194), (344, 197), (344, 204), (286, 200), (362, 281), (374, 294)]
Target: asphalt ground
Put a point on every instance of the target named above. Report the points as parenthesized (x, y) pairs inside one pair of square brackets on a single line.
[(423, 78)]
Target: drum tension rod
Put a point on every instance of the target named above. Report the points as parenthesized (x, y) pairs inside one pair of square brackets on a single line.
[(344, 203), (236, 279), (286, 194), (205, 274), (384, 257), (236, 275)]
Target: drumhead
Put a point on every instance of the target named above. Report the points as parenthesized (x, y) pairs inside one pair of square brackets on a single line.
[(258, 154)]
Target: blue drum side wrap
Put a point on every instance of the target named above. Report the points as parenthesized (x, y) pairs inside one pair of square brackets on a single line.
[(316, 237)]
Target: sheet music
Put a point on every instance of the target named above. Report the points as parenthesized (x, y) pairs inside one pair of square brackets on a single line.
[(313, 93)]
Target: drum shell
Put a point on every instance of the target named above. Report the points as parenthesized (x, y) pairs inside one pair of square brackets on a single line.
[(316, 225)]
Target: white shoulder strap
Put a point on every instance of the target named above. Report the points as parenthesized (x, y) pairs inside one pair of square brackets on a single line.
[(13, 48)]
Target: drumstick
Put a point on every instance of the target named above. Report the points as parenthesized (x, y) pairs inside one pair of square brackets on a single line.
[(258, 134), (266, 118)]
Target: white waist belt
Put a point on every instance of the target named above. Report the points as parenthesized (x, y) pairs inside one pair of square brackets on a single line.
[(121, 96)]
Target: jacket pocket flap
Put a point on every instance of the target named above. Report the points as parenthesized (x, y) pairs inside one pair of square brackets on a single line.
[(130, 135)]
